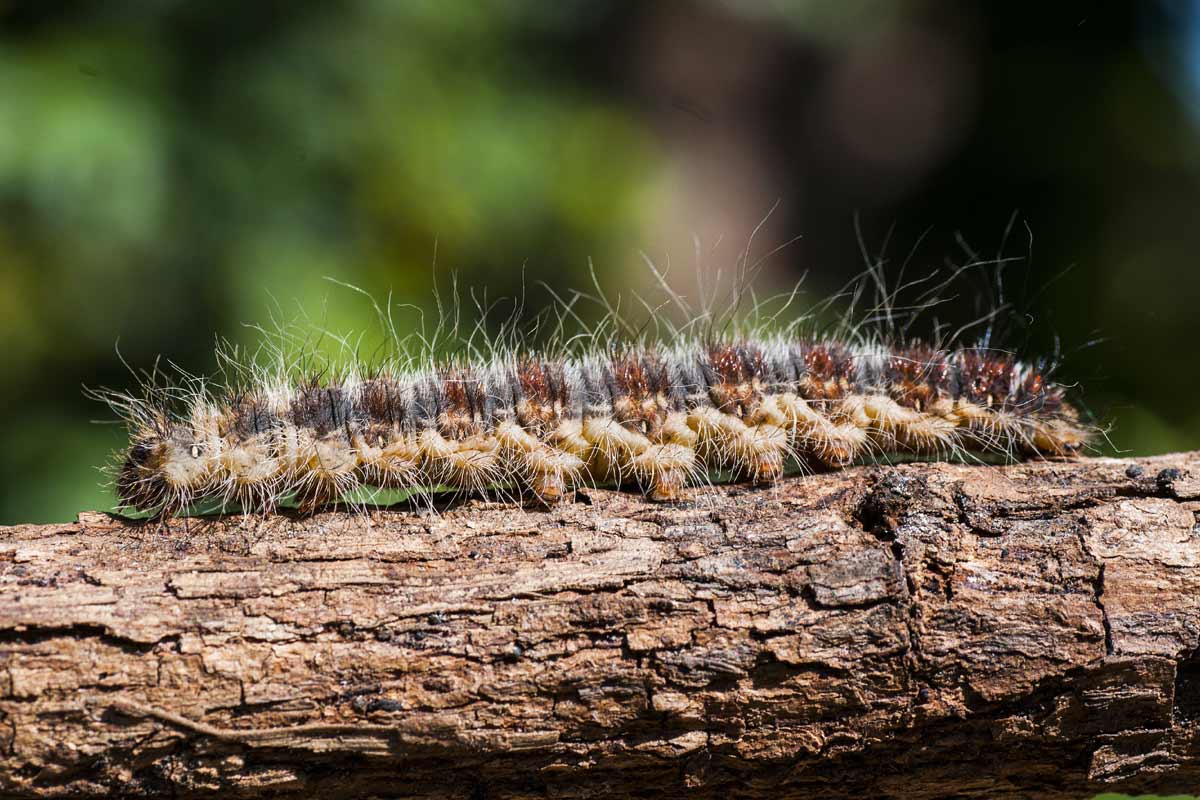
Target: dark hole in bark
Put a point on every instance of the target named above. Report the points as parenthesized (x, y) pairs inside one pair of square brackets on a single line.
[(1187, 689), (887, 500)]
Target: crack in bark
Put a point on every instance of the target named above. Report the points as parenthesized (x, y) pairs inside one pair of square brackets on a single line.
[(1098, 587), (1108, 634)]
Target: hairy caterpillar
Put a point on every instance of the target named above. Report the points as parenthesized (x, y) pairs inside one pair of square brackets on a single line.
[(661, 416)]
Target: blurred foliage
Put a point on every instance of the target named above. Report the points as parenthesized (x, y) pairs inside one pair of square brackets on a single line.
[(170, 171)]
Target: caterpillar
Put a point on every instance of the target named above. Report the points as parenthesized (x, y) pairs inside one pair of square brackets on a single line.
[(659, 415)]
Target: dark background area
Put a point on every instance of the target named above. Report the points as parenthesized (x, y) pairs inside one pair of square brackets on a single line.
[(169, 171)]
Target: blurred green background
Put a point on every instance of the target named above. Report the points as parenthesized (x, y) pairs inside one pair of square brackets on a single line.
[(170, 170)]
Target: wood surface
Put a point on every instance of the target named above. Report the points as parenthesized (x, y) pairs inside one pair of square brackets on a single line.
[(919, 631)]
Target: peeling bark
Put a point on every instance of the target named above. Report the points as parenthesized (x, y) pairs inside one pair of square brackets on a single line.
[(918, 631)]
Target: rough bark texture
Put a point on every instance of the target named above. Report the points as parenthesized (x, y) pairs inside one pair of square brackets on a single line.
[(916, 631)]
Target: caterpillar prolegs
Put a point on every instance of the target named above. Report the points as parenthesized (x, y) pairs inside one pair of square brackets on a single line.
[(659, 417)]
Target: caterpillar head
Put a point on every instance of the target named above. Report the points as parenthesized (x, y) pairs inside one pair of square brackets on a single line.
[(165, 466)]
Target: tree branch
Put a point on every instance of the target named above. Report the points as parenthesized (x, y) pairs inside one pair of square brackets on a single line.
[(922, 630)]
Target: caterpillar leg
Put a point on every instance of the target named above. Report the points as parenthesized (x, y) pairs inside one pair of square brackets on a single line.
[(393, 462), (835, 441), (613, 448), (898, 427), (249, 475), (664, 470), (471, 464), (552, 473), (547, 471), (988, 430), (763, 451), (1057, 437), (329, 471), (757, 451)]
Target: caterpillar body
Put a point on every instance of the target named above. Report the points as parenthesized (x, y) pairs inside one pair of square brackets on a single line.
[(658, 417)]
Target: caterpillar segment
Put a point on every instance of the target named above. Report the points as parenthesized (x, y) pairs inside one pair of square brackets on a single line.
[(658, 418)]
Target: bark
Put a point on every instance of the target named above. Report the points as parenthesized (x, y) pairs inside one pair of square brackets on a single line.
[(918, 631)]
